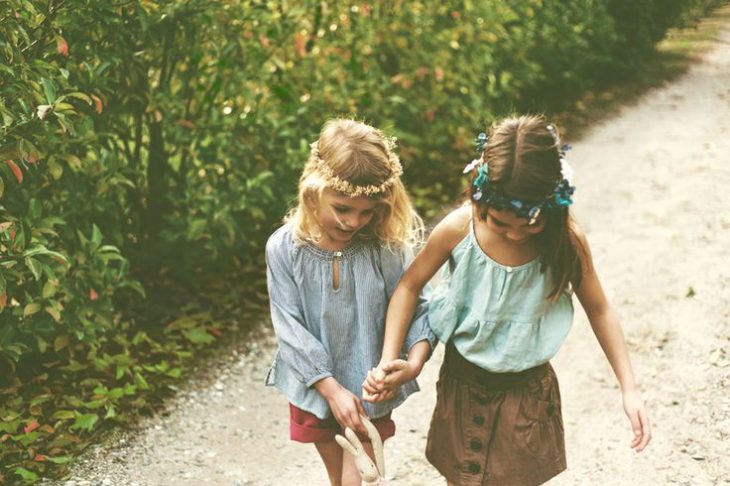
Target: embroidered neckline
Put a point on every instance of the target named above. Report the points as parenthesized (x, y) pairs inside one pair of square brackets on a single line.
[(325, 254)]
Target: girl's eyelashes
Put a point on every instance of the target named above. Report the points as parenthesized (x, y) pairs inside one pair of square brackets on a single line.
[(345, 209)]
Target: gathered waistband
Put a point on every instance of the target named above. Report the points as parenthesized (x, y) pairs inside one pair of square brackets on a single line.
[(459, 368)]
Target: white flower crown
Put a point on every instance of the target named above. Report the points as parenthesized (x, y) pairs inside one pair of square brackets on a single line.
[(352, 190)]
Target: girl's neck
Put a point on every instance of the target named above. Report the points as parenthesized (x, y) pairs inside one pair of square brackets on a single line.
[(500, 249), (327, 245)]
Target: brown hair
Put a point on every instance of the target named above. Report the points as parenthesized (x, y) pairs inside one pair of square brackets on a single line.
[(353, 155), (523, 158)]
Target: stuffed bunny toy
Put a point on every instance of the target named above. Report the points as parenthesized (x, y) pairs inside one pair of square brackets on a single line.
[(371, 474)]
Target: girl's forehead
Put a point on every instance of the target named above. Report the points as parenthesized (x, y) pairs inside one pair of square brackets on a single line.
[(360, 202), (506, 216)]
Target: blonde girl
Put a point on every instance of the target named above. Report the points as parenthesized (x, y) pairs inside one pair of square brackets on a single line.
[(515, 256), (331, 270)]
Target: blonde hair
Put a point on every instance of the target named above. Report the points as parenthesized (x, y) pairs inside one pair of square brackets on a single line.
[(355, 160)]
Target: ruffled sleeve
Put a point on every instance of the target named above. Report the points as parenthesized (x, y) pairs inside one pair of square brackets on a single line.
[(304, 354)]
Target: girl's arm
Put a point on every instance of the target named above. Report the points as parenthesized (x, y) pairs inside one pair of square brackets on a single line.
[(304, 353), (444, 237), (606, 327)]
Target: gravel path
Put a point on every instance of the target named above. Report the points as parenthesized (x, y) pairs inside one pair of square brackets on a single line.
[(654, 198)]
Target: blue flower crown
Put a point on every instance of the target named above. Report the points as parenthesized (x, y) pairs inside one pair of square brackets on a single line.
[(486, 191)]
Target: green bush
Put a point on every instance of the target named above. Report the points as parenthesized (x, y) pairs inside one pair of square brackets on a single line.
[(177, 129)]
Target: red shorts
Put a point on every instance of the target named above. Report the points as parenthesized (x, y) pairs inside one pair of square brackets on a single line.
[(306, 427)]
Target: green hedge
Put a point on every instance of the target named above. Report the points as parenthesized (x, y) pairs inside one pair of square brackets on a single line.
[(153, 140)]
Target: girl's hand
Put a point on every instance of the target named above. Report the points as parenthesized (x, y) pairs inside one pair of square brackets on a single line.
[(634, 408), (345, 406), (373, 390), (397, 372), (372, 386)]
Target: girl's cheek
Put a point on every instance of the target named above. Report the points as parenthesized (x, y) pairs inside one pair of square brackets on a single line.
[(536, 229)]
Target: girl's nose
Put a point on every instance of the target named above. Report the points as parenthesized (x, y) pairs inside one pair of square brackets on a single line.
[(350, 223)]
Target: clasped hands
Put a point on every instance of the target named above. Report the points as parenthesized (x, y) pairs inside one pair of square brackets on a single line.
[(383, 381)]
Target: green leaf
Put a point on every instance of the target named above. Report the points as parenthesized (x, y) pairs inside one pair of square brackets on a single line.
[(198, 336), (140, 382), (111, 412), (81, 96), (41, 399), (25, 474), (55, 169), (34, 266), (174, 373), (9, 426), (42, 344), (59, 459), (84, 421), (54, 312), (50, 90), (31, 309), (96, 236), (49, 289), (2, 187), (73, 161), (63, 415)]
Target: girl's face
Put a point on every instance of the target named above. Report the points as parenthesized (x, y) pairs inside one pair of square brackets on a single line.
[(511, 228), (341, 217)]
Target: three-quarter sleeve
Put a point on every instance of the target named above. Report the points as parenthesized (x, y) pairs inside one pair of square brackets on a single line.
[(420, 329), (394, 264), (304, 354)]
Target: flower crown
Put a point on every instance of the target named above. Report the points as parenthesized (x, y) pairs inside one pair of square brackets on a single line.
[(352, 190), (487, 193)]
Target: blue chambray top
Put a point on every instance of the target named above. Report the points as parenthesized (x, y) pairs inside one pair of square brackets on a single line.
[(322, 331), (498, 317)]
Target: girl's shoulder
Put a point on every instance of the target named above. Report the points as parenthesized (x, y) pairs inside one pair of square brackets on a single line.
[(451, 230), (279, 236), (281, 241)]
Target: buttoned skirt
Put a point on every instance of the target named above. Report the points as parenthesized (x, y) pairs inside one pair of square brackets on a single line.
[(496, 428)]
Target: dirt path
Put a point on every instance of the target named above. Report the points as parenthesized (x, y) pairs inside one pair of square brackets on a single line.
[(654, 197)]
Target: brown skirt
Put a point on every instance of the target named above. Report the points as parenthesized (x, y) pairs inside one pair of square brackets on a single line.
[(496, 428)]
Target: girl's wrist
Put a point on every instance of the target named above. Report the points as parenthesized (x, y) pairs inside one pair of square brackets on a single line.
[(327, 387), (416, 365)]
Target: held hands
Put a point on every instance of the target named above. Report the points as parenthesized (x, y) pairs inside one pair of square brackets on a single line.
[(635, 411), (382, 382)]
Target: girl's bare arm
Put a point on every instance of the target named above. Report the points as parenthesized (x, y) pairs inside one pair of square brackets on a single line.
[(444, 237), (608, 331)]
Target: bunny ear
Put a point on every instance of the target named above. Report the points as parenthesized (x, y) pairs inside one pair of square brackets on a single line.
[(345, 445), (377, 445), (352, 437)]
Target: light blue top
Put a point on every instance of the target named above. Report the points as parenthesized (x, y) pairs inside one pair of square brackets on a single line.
[(322, 331), (498, 317)]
